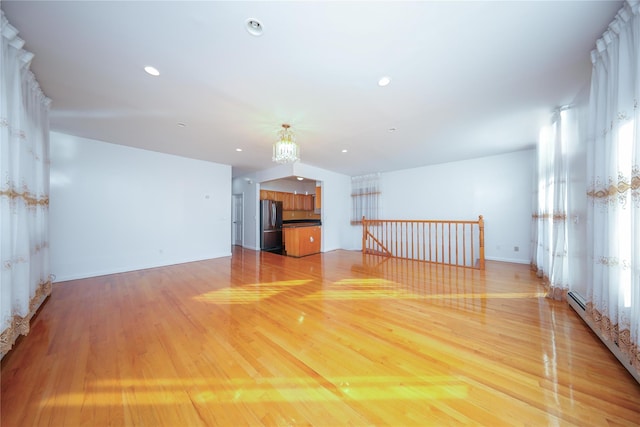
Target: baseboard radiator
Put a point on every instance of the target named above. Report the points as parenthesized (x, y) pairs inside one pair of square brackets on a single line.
[(579, 305)]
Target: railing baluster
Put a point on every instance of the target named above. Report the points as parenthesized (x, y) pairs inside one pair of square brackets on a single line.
[(430, 257), (437, 242), (386, 227), (412, 257), (405, 237), (395, 239), (406, 240), (456, 227), (464, 244), (473, 245), (449, 244), (364, 234), (442, 240), (423, 246)]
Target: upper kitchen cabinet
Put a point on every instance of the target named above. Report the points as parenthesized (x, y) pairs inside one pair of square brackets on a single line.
[(267, 195), (303, 202), (295, 194), (290, 201), (307, 204), (318, 198)]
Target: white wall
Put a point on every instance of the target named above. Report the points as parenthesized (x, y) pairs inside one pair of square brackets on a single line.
[(115, 208), (497, 187)]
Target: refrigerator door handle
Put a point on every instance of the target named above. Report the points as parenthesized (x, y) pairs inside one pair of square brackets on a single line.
[(273, 215)]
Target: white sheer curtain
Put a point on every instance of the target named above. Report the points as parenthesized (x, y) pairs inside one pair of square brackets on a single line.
[(613, 166), (24, 189), (549, 220), (365, 197)]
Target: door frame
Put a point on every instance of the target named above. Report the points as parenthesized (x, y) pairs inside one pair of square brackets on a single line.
[(235, 214)]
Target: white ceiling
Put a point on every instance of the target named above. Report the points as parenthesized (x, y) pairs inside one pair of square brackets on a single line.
[(469, 79)]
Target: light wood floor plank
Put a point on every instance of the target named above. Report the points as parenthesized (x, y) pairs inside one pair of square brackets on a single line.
[(330, 340)]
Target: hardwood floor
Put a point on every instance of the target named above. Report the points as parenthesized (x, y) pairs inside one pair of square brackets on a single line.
[(330, 339)]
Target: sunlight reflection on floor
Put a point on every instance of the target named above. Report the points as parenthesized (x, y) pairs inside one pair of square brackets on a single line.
[(248, 293), (345, 289), (212, 390)]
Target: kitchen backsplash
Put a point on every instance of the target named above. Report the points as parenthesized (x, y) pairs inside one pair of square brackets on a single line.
[(300, 215)]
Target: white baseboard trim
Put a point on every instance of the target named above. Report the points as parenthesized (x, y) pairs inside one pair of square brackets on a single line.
[(126, 269), (513, 260)]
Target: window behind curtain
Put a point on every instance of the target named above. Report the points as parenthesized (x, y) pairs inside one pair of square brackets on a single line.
[(365, 197), (624, 215)]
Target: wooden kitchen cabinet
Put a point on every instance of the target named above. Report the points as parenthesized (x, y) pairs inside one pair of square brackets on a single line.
[(288, 203), (318, 198), (302, 241), (310, 240), (267, 195), (307, 202), (303, 202)]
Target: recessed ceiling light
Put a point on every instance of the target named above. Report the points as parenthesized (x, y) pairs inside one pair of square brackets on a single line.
[(344, 151), (254, 27), (300, 178), (238, 149), (153, 71), (384, 81)]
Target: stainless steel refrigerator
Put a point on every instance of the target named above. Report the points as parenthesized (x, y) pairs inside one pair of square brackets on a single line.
[(271, 226)]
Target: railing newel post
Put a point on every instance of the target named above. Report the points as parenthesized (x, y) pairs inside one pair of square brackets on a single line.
[(481, 238), (364, 234)]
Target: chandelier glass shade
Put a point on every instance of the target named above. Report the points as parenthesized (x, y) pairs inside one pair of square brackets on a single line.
[(285, 149)]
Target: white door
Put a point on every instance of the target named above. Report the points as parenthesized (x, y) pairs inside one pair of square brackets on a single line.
[(236, 227)]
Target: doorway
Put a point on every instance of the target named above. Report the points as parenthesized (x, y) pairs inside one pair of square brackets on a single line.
[(237, 213)]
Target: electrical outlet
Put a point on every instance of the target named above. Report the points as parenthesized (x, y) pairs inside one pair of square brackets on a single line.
[(516, 249)]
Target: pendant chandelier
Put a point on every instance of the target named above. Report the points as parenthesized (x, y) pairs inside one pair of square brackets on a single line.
[(285, 149)]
